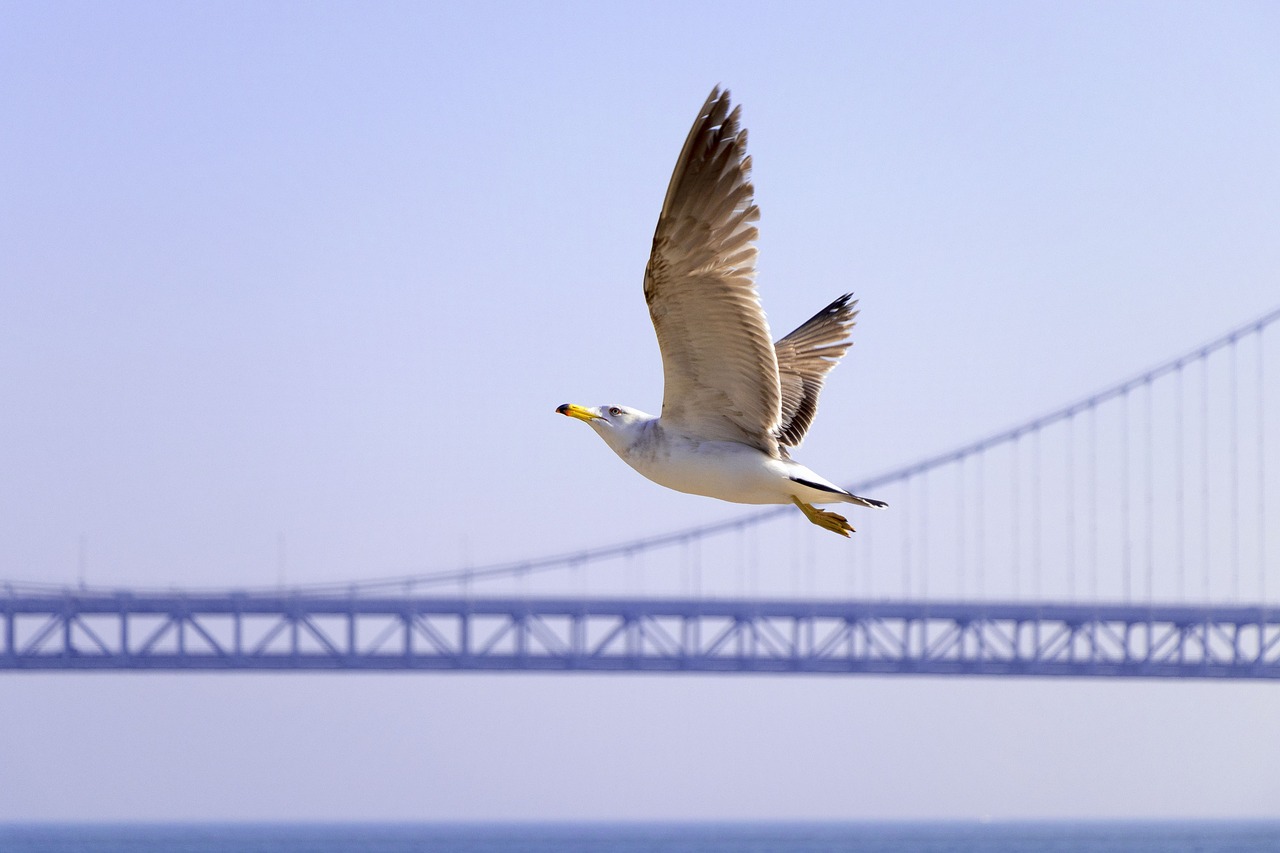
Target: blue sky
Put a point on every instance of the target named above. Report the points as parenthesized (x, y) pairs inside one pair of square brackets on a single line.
[(317, 275)]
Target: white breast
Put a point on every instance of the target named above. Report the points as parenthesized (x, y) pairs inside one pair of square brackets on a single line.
[(718, 469)]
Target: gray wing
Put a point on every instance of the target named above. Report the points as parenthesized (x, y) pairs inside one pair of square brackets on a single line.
[(805, 357), (720, 370)]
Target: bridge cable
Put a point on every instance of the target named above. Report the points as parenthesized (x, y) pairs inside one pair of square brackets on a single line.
[(1070, 466), (1204, 478), (900, 475), (960, 528), (980, 531), (1126, 541), (1093, 503), (922, 561), (1037, 562), (1262, 467), (1233, 455), (1234, 438), (1179, 484), (1148, 531), (906, 537), (1015, 514)]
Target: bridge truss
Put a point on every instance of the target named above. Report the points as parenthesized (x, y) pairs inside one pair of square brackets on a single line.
[(257, 632)]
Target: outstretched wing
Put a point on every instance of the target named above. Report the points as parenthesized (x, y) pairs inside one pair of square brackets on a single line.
[(720, 371), (805, 357)]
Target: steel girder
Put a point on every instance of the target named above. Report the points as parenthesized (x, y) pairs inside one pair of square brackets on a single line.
[(245, 632)]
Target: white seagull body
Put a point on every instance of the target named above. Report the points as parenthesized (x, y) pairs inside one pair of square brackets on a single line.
[(733, 401)]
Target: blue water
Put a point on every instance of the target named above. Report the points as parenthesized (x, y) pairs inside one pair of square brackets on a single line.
[(1208, 837)]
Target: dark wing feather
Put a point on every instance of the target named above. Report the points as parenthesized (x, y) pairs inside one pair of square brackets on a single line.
[(805, 357)]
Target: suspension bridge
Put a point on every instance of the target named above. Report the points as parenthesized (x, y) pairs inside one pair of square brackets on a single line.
[(1127, 534)]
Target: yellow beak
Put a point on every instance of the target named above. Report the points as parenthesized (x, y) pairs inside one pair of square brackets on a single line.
[(574, 411)]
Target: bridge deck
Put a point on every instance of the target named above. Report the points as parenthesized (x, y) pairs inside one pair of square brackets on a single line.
[(282, 632)]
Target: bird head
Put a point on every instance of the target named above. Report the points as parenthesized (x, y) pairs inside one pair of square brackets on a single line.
[(615, 424)]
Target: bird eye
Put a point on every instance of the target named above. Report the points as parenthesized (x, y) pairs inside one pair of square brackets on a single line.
[(615, 411)]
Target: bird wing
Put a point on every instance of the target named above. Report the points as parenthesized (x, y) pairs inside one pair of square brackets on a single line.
[(720, 370), (805, 357)]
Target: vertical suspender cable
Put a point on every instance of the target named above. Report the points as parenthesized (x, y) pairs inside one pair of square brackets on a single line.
[(795, 555), (1015, 513), (1148, 530), (1093, 501), (811, 564), (923, 550), (906, 538), (980, 521), (960, 525), (686, 575), (1071, 506), (696, 561), (1126, 555), (868, 561), (741, 535), (634, 577), (855, 566), (1204, 476), (1179, 485), (1036, 563), (1234, 438), (1262, 469)]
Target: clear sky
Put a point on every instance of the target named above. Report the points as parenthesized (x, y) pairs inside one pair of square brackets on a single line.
[(290, 291)]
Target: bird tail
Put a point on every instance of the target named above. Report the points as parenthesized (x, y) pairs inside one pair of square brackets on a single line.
[(839, 494), (849, 497)]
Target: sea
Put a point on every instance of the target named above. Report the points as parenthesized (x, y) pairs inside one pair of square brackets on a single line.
[(1047, 837)]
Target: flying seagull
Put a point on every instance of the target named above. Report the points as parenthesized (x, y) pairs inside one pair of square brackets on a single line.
[(733, 402)]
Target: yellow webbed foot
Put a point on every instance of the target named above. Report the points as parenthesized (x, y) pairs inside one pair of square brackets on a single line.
[(826, 520)]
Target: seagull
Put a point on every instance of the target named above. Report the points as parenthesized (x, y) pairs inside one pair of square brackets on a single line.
[(733, 403)]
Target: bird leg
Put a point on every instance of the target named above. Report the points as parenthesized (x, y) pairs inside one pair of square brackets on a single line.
[(824, 519)]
